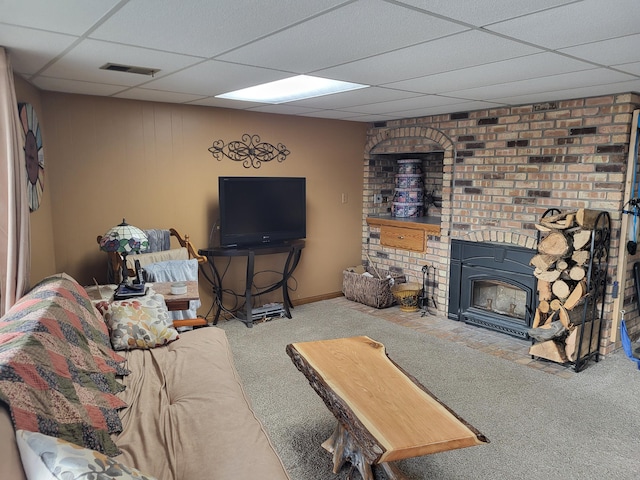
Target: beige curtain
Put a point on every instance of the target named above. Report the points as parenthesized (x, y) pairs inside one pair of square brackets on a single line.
[(14, 210)]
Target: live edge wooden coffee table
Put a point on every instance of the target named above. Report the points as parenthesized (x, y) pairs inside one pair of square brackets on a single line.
[(383, 413)]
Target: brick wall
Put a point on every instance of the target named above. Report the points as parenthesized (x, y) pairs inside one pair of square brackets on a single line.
[(500, 170)]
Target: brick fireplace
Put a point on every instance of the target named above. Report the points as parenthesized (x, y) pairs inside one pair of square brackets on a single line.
[(494, 172)]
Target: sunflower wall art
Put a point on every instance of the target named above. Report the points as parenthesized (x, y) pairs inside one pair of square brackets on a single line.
[(33, 153)]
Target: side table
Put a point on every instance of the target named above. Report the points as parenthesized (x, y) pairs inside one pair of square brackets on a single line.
[(177, 302)]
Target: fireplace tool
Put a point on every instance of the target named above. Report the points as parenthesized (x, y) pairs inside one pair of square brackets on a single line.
[(425, 298)]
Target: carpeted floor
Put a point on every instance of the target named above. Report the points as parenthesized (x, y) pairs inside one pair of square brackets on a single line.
[(541, 426)]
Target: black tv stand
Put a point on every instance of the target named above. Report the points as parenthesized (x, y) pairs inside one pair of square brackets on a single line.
[(292, 248)]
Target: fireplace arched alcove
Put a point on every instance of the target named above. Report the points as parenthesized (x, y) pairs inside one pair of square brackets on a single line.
[(383, 148)]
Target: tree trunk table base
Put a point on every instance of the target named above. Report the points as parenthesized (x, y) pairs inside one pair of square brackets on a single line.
[(383, 413), (345, 449)]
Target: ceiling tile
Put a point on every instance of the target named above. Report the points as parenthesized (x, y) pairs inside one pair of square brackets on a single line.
[(570, 93), (85, 60), (608, 52), (283, 109), (213, 78), (597, 76), (156, 95), (75, 86), (349, 116), (65, 16), (320, 42), (30, 50), (485, 12), (422, 101), (575, 23), (361, 96), (201, 27), (438, 110), (462, 50), (521, 68), (633, 68), (224, 103)]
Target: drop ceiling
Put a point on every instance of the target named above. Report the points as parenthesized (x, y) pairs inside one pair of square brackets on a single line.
[(420, 57)]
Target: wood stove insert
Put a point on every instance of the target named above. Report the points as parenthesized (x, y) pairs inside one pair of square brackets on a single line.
[(492, 286)]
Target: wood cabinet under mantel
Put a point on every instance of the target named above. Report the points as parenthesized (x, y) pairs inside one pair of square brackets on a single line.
[(406, 233)]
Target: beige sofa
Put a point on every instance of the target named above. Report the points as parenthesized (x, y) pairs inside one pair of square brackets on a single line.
[(186, 416)]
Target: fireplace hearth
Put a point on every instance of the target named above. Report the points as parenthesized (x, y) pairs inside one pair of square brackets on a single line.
[(492, 286)]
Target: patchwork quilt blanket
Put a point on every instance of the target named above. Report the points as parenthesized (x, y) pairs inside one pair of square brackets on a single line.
[(58, 372)]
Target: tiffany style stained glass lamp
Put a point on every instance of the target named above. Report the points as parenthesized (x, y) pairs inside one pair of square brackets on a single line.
[(124, 239)]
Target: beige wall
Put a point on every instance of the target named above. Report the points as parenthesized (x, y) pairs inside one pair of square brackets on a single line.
[(148, 162), (43, 261)]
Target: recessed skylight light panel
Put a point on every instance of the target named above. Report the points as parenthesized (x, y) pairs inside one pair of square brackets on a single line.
[(290, 89)]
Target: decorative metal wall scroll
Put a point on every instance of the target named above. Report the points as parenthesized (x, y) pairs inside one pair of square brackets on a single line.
[(250, 151)]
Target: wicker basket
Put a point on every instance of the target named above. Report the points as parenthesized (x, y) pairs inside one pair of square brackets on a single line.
[(371, 291), (407, 296)]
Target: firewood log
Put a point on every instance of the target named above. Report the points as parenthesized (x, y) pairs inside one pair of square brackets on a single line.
[(555, 304), (541, 319), (562, 265), (563, 315), (543, 262), (550, 318), (550, 350), (572, 340), (548, 276), (586, 218), (543, 307), (569, 221), (571, 343), (576, 296), (574, 317), (542, 228), (553, 218), (577, 272), (581, 239), (544, 290), (560, 221), (581, 257), (536, 318), (560, 289), (556, 243)]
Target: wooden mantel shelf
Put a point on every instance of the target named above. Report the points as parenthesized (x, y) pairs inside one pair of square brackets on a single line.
[(406, 233), (431, 225)]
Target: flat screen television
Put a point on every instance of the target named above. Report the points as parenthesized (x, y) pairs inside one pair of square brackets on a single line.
[(261, 210)]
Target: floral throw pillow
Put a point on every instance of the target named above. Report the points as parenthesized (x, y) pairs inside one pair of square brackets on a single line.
[(140, 322), (49, 458)]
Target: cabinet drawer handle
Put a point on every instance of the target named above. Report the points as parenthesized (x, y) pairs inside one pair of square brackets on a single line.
[(401, 237)]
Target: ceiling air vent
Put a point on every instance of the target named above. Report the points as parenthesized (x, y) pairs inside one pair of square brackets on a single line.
[(115, 67)]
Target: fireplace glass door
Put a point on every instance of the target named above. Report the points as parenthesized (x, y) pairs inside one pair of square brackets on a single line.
[(497, 300), (499, 297)]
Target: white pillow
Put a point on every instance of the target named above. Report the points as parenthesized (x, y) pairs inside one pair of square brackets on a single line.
[(49, 458)]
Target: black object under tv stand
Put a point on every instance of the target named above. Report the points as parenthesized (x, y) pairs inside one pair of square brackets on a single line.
[(292, 248)]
